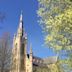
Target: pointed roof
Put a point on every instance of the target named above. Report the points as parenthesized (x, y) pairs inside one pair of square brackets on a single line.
[(20, 28), (21, 21)]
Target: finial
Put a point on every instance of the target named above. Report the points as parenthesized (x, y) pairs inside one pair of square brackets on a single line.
[(14, 36), (25, 35), (30, 47), (21, 16)]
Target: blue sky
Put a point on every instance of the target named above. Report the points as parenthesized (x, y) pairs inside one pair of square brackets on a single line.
[(12, 10)]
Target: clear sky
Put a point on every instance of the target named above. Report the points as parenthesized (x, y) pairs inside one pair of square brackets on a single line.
[(12, 10)]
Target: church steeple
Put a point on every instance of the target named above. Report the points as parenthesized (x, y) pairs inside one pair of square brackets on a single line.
[(22, 62), (20, 28)]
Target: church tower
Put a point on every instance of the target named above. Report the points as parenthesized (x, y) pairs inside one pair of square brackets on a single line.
[(21, 62)]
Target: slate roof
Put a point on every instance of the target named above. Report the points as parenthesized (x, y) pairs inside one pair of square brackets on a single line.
[(44, 62), (50, 60)]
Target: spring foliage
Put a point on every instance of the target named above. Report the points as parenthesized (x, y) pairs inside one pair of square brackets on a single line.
[(56, 19)]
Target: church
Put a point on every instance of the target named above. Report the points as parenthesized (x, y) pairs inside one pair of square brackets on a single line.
[(21, 61)]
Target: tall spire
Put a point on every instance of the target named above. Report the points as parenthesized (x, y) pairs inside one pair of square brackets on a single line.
[(21, 21), (20, 28)]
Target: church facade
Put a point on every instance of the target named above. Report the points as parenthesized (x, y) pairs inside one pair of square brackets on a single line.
[(21, 61)]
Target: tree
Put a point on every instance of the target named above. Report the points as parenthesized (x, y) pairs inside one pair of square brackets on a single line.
[(5, 53), (60, 31), (51, 8), (56, 21), (55, 16), (40, 69)]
